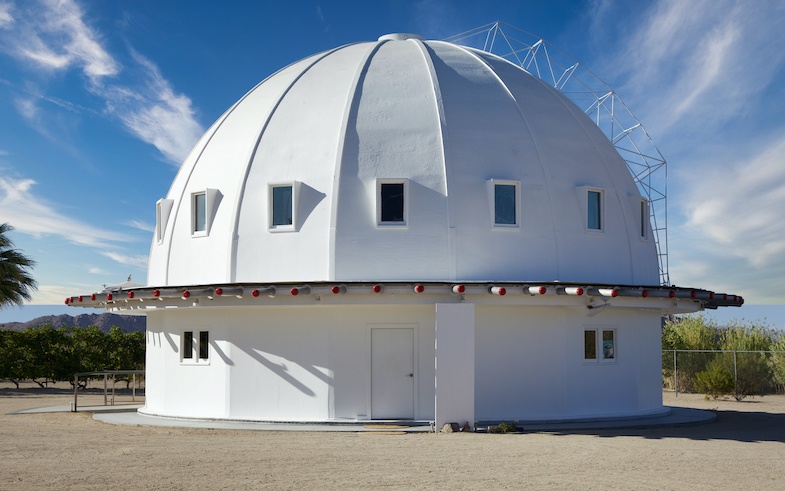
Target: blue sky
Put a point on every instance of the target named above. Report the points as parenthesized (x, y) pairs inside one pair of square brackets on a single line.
[(101, 100)]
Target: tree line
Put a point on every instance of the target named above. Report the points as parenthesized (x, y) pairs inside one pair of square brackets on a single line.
[(44, 353), (738, 359)]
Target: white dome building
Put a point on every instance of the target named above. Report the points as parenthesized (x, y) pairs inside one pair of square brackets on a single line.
[(403, 230)]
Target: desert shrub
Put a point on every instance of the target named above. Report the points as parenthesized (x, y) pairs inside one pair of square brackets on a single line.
[(690, 332), (504, 427), (716, 380)]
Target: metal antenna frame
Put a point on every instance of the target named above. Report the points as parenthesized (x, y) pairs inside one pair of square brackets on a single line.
[(551, 65)]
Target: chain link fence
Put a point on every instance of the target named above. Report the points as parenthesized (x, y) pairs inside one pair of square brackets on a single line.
[(719, 373)]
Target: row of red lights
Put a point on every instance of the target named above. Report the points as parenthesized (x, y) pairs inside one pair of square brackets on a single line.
[(418, 288)]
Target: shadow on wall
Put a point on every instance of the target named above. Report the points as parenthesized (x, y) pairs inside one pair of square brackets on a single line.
[(307, 201), (282, 371)]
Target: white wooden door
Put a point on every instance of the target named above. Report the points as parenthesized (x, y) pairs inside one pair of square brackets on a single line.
[(392, 373)]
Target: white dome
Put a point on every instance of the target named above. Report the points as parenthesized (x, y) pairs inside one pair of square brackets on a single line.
[(443, 123)]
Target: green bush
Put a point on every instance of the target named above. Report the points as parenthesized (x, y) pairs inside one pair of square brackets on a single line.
[(715, 381)]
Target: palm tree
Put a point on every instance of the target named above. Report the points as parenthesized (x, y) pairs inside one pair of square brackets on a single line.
[(16, 283)]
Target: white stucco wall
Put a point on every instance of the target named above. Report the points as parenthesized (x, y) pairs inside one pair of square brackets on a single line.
[(530, 365), (280, 363), (313, 363)]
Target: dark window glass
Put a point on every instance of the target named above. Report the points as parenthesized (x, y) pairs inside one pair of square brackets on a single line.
[(644, 219), (204, 344), (590, 345), (188, 345), (392, 202), (504, 204), (282, 205), (199, 213), (608, 348), (595, 211)]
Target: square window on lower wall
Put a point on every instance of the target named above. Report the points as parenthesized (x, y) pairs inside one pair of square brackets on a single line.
[(599, 344), (195, 347)]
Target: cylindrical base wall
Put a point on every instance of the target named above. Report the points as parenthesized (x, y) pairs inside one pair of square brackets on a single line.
[(362, 362)]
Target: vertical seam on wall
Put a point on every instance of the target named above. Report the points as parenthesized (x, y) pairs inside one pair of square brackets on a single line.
[(444, 136), (249, 161), (351, 109), (536, 144)]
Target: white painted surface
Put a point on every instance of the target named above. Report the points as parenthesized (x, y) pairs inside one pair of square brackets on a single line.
[(447, 119), (315, 363), (530, 366), (455, 364), (282, 363), (392, 372)]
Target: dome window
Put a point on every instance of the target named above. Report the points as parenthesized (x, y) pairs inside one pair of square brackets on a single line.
[(644, 218), (163, 208), (203, 207), (593, 205), (391, 205), (505, 199), (200, 219), (282, 206), (595, 210)]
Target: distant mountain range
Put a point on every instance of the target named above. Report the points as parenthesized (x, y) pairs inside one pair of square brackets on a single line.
[(104, 321)]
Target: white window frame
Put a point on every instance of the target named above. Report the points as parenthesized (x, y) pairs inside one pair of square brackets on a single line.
[(211, 200), (490, 185), (599, 346), (406, 202), (294, 226), (196, 344), (163, 208), (583, 196)]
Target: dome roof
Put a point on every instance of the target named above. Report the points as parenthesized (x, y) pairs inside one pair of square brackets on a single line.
[(403, 159)]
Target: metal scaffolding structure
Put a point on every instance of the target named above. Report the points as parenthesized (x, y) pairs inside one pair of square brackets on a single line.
[(551, 65)]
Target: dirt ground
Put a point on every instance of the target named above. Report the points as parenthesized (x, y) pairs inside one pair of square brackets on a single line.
[(745, 448)]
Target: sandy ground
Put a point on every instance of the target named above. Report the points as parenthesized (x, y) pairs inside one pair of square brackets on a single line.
[(745, 448)]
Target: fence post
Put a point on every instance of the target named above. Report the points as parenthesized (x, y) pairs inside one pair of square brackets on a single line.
[(735, 377), (76, 389), (675, 379)]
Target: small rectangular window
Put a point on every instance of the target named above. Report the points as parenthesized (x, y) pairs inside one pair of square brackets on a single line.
[(282, 206), (608, 348), (204, 344), (595, 210), (392, 203), (199, 213), (504, 204), (590, 344), (644, 217), (188, 345)]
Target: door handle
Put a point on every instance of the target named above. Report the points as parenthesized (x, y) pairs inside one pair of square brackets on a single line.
[(410, 375)]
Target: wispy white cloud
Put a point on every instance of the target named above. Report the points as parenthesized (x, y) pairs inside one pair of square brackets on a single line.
[(156, 114), (701, 60), (141, 225), (139, 261), (56, 37), (52, 35), (31, 214), (739, 206), (96, 270), (6, 19)]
